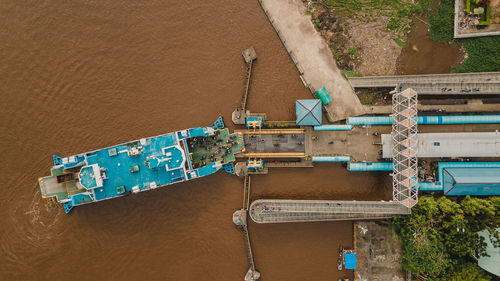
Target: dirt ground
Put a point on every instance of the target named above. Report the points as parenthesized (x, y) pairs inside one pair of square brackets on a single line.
[(378, 253), (377, 51), (358, 43), (362, 43)]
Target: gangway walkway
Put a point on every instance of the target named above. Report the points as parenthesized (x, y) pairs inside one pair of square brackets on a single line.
[(247, 86), (392, 81), (274, 211), (240, 219), (246, 192)]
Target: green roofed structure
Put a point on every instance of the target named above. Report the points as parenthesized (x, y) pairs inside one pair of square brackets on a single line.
[(491, 263), (308, 112), (324, 96)]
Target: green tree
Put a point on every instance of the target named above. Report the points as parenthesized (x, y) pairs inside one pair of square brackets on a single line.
[(440, 235), (467, 272)]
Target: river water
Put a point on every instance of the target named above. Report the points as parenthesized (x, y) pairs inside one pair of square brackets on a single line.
[(85, 74)]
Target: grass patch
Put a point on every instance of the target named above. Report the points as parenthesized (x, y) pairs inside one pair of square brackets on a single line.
[(441, 21), (399, 12), (483, 51), (352, 53), (400, 41), (317, 24), (351, 73), (483, 55), (367, 101)]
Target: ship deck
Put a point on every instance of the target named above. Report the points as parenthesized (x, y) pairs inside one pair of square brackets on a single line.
[(220, 147), (141, 165)]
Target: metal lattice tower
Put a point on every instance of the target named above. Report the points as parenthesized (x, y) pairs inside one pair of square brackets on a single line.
[(404, 150)]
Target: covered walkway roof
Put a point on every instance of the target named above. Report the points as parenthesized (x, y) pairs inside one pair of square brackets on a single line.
[(477, 144)]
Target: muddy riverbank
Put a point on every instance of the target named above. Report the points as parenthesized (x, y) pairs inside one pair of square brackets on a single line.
[(422, 55)]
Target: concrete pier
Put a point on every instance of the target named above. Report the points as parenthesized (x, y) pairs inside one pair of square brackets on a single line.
[(312, 56)]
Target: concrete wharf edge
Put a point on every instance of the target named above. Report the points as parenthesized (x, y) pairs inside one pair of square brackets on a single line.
[(312, 57)]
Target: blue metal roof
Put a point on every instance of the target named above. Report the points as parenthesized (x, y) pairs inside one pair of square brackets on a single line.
[(333, 127), (369, 166), (308, 112), (470, 166), (326, 158), (428, 120), (471, 181)]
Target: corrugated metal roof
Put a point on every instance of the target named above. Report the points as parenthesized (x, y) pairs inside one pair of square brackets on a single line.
[(477, 144)]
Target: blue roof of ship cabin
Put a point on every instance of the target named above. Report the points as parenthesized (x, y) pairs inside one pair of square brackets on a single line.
[(87, 177), (471, 181), (308, 112)]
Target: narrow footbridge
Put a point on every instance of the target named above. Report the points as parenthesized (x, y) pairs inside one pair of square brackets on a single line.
[(273, 211), (250, 56), (392, 81), (240, 219)]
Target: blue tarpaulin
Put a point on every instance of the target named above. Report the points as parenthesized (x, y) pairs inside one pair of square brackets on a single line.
[(350, 260), (324, 96)]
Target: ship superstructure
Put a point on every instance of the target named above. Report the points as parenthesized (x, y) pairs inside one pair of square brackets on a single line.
[(141, 165)]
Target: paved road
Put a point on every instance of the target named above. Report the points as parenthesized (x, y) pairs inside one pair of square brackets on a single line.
[(453, 88), (392, 81)]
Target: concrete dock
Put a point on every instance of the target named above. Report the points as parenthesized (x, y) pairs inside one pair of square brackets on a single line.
[(312, 56)]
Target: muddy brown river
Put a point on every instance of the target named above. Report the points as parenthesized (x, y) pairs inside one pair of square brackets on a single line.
[(81, 75)]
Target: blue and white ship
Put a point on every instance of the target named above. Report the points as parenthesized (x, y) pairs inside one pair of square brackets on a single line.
[(141, 165)]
